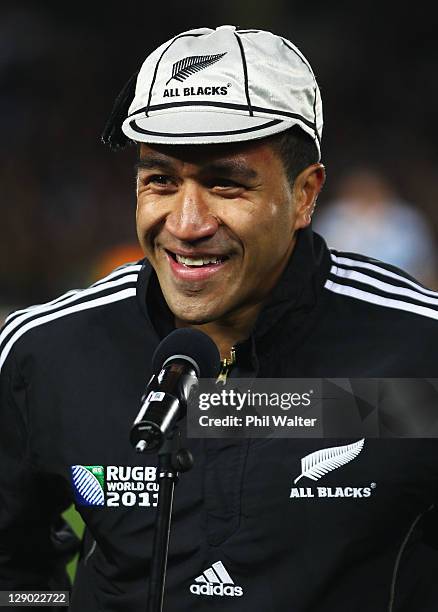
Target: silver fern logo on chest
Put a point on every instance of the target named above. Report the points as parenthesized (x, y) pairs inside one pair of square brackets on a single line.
[(319, 463)]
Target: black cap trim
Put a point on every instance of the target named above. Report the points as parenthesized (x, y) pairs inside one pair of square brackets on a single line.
[(306, 63), (245, 73), (240, 107)]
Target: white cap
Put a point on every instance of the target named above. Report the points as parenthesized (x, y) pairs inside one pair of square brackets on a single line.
[(224, 85)]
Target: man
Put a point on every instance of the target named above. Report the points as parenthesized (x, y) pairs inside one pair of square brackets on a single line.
[(229, 126)]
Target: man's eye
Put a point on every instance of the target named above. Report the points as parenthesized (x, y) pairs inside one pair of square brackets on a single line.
[(225, 184), (160, 179)]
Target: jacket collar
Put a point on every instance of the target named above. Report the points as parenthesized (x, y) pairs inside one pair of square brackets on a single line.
[(297, 291), (300, 284)]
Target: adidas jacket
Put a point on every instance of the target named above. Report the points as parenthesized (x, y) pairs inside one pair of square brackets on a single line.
[(249, 531)]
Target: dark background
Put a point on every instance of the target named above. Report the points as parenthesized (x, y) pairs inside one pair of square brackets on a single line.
[(67, 201)]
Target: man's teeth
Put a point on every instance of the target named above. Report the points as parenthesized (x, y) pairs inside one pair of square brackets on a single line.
[(197, 261)]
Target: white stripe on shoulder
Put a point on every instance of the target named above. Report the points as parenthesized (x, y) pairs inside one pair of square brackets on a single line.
[(106, 299), (127, 269), (387, 287), (346, 261), (41, 310), (36, 306), (379, 300)]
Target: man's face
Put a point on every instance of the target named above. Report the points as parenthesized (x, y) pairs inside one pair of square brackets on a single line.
[(217, 223)]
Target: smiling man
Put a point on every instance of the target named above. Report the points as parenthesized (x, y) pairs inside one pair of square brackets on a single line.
[(228, 126)]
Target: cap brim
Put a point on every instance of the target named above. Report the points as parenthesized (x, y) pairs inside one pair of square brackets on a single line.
[(201, 127)]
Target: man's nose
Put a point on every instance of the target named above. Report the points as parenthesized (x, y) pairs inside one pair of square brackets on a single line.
[(191, 218)]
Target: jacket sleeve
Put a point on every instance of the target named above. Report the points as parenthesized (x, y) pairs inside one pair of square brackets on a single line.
[(35, 543)]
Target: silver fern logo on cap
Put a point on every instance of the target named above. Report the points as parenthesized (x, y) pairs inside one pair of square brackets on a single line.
[(183, 68), (319, 463)]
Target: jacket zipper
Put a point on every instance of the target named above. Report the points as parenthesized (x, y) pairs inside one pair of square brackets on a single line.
[(226, 367)]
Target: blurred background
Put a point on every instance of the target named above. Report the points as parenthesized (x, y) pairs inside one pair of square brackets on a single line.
[(67, 203)]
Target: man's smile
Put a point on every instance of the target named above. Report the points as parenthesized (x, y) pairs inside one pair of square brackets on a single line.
[(195, 266)]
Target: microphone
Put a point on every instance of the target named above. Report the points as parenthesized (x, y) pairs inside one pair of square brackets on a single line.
[(179, 361)]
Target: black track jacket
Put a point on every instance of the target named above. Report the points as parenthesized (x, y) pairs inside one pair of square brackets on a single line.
[(72, 374)]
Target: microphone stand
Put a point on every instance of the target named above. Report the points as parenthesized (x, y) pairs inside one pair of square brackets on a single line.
[(171, 460)]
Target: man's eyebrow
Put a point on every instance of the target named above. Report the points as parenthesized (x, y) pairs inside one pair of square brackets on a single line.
[(226, 168), (230, 168), (152, 162)]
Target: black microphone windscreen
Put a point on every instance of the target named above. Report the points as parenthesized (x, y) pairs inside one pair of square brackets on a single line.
[(191, 343)]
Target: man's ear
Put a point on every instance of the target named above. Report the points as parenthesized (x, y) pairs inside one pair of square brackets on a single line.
[(306, 188)]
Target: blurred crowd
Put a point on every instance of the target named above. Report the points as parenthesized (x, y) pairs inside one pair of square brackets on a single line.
[(369, 217), (67, 204)]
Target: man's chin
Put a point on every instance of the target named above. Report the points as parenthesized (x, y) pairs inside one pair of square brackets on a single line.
[(195, 314), (185, 319)]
